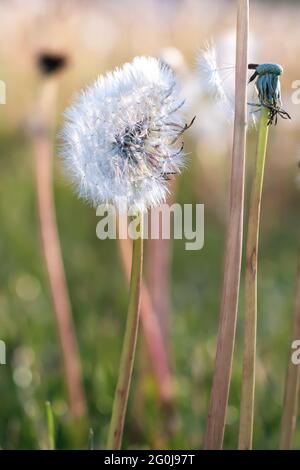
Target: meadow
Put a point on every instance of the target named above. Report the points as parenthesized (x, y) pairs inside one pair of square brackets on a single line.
[(95, 39)]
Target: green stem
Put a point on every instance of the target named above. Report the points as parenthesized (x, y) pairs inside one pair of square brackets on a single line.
[(51, 426), (291, 394), (129, 346), (248, 384)]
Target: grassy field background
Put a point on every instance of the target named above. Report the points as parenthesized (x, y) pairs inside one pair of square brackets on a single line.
[(98, 291)]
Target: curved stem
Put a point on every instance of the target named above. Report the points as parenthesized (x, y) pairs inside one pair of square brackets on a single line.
[(248, 384), (129, 346), (43, 154)]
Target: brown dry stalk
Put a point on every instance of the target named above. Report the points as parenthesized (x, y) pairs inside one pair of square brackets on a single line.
[(158, 264), (43, 158), (152, 332), (159, 260), (291, 395), (233, 250)]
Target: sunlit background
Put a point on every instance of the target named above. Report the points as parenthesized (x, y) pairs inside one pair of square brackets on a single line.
[(96, 36)]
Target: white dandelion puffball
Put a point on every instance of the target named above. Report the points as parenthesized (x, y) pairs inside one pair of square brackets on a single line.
[(122, 136)]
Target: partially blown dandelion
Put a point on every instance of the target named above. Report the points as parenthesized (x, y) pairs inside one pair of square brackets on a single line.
[(267, 83), (122, 143), (268, 88), (122, 136)]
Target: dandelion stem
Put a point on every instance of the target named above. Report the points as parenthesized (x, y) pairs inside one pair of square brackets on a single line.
[(233, 251), (43, 154), (129, 346), (291, 395), (248, 383)]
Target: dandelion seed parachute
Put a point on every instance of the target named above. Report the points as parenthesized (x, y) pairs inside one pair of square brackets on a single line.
[(210, 71), (122, 136), (215, 65)]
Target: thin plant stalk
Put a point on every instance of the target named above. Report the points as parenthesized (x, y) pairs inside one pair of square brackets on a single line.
[(291, 395), (159, 260), (91, 445), (116, 427), (50, 426), (249, 353), (43, 158), (233, 250), (154, 338)]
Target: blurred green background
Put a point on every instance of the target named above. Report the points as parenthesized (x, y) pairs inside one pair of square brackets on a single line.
[(97, 38)]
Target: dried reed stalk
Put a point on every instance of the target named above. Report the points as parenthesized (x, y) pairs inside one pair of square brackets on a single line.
[(233, 251)]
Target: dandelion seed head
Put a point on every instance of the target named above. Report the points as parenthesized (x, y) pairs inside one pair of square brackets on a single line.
[(122, 137)]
